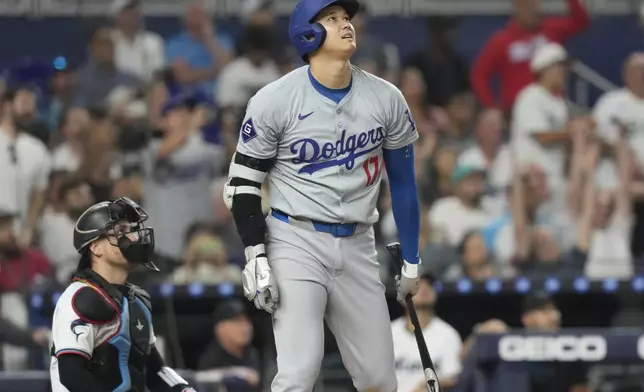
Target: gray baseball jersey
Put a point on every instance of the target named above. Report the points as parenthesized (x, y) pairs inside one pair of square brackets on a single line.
[(328, 156)]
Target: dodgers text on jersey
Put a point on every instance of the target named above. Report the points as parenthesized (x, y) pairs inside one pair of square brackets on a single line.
[(344, 151)]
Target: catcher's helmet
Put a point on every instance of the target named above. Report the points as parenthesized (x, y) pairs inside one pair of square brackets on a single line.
[(306, 35), (136, 242)]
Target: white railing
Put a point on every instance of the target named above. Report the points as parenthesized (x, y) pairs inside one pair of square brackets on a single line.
[(584, 80)]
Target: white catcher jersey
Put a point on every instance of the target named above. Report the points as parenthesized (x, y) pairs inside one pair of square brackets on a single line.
[(327, 157), (72, 335)]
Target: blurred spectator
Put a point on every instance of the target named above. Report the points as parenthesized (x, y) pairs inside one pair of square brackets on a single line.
[(624, 107), (245, 75), (205, 260), (23, 337), (178, 170), (540, 115), (231, 358), (438, 180), (99, 77), (60, 95), (100, 158), (414, 89), (261, 14), (608, 215), (26, 112), (136, 51), (57, 227), (490, 153), (443, 342), (373, 55), (540, 314), (445, 72), (198, 55), (73, 127), (24, 163), (455, 126), (21, 266), (469, 186), (475, 260), (535, 234), (508, 52)]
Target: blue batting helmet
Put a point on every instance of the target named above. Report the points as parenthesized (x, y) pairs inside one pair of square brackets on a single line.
[(306, 35)]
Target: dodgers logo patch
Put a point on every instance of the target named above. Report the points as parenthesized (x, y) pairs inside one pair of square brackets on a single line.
[(343, 151), (248, 132)]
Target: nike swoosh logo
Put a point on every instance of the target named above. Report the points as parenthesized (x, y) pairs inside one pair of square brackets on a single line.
[(303, 117)]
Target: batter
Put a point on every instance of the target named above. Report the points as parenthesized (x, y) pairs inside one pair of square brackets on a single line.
[(322, 134)]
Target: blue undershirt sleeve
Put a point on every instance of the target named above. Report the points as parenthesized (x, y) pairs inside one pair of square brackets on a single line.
[(404, 199)]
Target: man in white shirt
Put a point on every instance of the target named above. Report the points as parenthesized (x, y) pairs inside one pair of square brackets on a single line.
[(443, 342), (137, 51), (245, 75), (24, 164), (57, 227), (540, 115), (452, 217), (625, 106)]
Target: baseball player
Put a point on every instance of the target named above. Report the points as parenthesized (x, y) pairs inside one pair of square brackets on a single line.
[(102, 327), (322, 134)]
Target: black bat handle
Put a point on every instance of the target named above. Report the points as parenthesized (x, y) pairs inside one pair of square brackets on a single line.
[(432, 381)]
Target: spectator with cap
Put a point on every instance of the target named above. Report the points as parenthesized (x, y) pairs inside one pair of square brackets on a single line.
[(374, 55), (443, 342), (198, 54), (136, 51), (539, 313), (24, 164), (230, 358), (540, 115), (99, 76), (176, 164), (469, 187), (508, 53), (60, 93), (57, 227)]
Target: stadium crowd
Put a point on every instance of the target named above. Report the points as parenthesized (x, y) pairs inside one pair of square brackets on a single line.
[(520, 184)]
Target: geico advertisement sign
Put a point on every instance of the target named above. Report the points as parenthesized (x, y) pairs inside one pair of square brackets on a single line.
[(552, 348)]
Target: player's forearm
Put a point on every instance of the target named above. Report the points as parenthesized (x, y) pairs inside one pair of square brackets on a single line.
[(161, 378), (74, 374), (404, 199), (243, 197)]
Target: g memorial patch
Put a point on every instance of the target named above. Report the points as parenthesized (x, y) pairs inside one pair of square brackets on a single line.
[(248, 132)]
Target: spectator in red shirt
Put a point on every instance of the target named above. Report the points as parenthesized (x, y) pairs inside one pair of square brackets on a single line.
[(19, 267), (508, 53)]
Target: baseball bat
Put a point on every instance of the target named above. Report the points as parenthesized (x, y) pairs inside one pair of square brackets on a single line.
[(426, 360)]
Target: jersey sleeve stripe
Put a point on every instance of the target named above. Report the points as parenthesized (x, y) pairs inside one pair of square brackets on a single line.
[(245, 172), (72, 351)]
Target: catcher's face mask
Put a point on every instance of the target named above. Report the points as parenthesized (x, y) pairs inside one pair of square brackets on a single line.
[(127, 231)]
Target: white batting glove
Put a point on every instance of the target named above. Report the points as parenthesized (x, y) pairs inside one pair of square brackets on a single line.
[(257, 279), (407, 281)]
